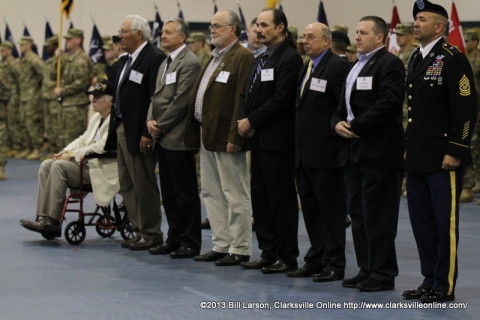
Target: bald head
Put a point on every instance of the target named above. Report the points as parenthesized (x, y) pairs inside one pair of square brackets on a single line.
[(317, 38)]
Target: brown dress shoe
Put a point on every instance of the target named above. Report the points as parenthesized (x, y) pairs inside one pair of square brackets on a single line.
[(126, 244), (144, 244)]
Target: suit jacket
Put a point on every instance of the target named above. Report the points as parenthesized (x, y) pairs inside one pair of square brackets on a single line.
[(270, 106), (442, 108), (170, 101), (316, 144), (378, 114), (103, 171), (221, 103), (135, 97)]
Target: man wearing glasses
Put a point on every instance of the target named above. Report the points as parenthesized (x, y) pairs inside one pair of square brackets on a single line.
[(212, 125)]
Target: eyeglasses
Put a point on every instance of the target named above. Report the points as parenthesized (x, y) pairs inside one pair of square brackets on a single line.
[(310, 37), (216, 27), (121, 31)]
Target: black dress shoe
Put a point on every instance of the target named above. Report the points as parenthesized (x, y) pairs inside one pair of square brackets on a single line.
[(301, 273), (352, 282), (232, 259), (328, 275), (257, 264), (437, 296), (373, 285), (163, 248), (205, 224), (184, 252), (210, 256), (279, 267), (416, 293)]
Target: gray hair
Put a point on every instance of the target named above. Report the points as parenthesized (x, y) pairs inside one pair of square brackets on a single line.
[(234, 20), (182, 28), (140, 24)]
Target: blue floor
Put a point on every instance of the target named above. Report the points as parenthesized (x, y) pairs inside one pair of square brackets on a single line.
[(50, 280)]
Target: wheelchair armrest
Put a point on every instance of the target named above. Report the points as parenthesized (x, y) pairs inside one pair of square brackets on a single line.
[(108, 154)]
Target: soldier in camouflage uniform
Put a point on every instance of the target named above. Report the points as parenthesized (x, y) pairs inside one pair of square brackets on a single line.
[(51, 106), (31, 111), (197, 43), (4, 97), (16, 128), (406, 42), (471, 182), (76, 71)]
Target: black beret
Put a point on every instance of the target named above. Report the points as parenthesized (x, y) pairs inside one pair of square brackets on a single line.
[(427, 6)]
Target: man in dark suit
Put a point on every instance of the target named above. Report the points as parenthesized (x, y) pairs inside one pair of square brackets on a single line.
[(369, 117), (268, 118), (176, 162), (135, 84), (212, 125), (318, 161), (442, 107)]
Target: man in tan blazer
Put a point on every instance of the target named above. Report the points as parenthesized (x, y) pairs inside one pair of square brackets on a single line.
[(63, 171), (212, 125), (166, 123)]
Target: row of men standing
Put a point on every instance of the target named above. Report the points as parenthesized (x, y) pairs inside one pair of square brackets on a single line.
[(285, 115)]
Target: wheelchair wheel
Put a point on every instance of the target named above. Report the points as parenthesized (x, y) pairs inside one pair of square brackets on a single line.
[(126, 230), (104, 228), (75, 232), (50, 235)]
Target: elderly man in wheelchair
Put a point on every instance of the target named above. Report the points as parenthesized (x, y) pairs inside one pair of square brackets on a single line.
[(56, 175)]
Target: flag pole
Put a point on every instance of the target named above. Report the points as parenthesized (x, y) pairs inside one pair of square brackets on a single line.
[(60, 37)]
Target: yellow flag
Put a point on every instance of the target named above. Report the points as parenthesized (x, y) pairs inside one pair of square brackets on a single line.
[(272, 3), (66, 7)]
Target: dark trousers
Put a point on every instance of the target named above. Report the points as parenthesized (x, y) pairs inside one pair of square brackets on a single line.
[(322, 194), (433, 208), (373, 204), (179, 187), (274, 204)]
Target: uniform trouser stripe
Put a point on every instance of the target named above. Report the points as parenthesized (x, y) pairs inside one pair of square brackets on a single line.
[(453, 236)]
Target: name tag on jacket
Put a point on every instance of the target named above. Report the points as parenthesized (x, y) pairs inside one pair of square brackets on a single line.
[(222, 76), (136, 77), (171, 78), (319, 85), (267, 75), (364, 83)]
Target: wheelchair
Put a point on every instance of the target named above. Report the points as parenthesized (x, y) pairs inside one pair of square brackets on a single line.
[(105, 219)]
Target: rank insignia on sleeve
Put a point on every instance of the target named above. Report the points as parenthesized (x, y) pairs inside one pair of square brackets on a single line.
[(464, 86)]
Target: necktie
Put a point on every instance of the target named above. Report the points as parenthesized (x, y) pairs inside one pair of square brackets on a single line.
[(260, 65), (118, 112), (169, 60), (307, 77), (417, 60)]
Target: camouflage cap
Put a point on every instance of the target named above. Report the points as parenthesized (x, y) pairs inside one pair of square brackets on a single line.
[(102, 88), (51, 41), (108, 46), (106, 38), (404, 28), (74, 33), (25, 39), (6, 45), (340, 27), (196, 36), (471, 35), (294, 31), (352, 47)]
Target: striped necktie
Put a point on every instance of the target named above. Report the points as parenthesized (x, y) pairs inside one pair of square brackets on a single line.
[(260, 65)]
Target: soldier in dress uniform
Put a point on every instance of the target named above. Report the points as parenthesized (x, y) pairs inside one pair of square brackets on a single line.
[(471, 183), (16, 128), (30, 82), (76, 71), (442, 108), (52, 109)]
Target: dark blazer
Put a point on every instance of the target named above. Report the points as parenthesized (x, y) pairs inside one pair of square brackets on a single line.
[(170, 101), (378, 114), (221, 102), (135, 98), (442, 106), (270, 106), (316, 144)]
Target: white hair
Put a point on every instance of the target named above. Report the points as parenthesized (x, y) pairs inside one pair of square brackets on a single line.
[(141, 24)]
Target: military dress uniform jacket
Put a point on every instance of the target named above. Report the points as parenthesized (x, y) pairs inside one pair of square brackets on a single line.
[(316, 144), (170, 101), (442, 108), (378, 114), (221, 103)]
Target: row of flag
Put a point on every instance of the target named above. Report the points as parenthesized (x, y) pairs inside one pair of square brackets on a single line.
[(97, 54)]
